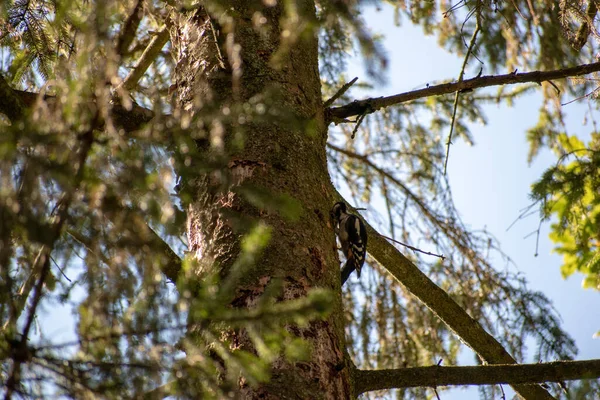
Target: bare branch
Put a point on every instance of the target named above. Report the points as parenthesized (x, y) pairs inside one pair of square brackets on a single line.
[(147, 58), (366, 106), (415, 249), (460, 79), (435, 375), (442, 305), (340, 92)]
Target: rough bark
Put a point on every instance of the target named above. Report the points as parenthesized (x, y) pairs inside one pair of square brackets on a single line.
[(285, 157)]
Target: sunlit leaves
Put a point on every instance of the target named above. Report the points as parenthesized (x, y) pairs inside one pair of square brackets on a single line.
[(569, 193)]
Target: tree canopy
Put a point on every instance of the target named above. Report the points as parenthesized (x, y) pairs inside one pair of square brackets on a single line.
[(166, 170)]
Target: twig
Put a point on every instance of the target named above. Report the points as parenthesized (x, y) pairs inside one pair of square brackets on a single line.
[(453, 8), (340, 92), (60, 269), (388, 205), (460, 79), (530, 234), (555, 87), (358, 122), (581, 97), (537, 239), (414, 248)]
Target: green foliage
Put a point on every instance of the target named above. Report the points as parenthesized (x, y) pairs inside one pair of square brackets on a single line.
[(568, 192), (137, 334), (100, 204)]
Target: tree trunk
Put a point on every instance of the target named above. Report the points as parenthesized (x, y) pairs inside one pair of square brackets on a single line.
[(228, 65)]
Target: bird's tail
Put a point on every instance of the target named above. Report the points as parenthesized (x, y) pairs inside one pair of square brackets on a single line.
[(347, 270)]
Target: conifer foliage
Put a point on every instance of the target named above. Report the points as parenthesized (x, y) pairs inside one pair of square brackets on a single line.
[(167, 170)]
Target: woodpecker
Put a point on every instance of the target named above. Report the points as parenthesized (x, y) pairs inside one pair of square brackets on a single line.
[(353, 236)]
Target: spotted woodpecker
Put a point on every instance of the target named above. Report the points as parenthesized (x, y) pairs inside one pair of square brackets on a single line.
[(353, 236)]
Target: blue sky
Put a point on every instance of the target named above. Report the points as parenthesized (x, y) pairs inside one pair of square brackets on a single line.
[(491, 180)]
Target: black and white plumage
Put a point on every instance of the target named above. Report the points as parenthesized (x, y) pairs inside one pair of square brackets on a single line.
[(353, 237)]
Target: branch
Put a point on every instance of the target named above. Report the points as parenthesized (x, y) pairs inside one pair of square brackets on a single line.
[(367, 106), (41, 265), (442, 305), (415, 249), (129, 28), (432, 376), (445, 308), (460, 79), (340, 92), (14, 102), (146, 59)]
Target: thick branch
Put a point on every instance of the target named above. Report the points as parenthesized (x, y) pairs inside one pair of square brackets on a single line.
[(432, 376), (442, 305), (367, 106)]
